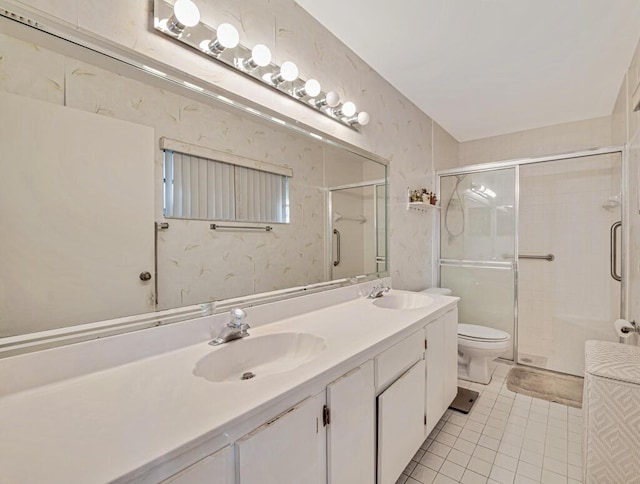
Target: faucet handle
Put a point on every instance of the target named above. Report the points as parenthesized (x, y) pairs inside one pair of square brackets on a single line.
[(237, 315)]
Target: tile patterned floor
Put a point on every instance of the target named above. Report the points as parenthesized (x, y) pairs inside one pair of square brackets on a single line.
[(507, 438)]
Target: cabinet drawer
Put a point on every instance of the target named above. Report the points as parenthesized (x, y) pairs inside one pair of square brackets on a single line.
[(399, 358)]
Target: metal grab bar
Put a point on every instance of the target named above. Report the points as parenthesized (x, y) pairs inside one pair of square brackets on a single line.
[(266, 228), (336, 232), (549, 257), (613, 251)]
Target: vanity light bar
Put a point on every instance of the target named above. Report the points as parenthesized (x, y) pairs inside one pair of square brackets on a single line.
[(181, 21)]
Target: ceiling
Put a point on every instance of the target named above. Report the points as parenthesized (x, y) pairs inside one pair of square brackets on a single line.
[(488, 67)]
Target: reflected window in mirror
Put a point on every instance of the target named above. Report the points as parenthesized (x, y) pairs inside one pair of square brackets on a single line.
[(205, 189)]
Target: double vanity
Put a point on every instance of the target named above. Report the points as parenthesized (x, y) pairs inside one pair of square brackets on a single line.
[(329, 387)]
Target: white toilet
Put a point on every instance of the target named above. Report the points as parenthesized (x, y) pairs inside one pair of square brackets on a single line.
[(478, 346)]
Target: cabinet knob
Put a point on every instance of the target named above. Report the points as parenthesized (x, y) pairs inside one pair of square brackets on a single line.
[(145, 276)]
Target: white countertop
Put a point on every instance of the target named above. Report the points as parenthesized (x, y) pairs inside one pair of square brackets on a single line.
[(106, 425)]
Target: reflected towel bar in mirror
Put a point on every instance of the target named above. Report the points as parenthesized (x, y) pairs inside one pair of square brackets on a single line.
[(266, 228), (548, 257)]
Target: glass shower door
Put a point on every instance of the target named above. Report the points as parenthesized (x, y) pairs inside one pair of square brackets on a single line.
[(477, 246), (567, 210)]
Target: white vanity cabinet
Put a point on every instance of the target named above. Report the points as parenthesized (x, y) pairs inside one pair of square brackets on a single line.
[(285, 450), (363, 428), (441, 337), (217, 468), (400, 416), (291, 448), (400, 423), (351, 444)]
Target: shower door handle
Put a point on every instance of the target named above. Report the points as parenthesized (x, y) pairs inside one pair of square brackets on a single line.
[(337, 234), (613, 251)]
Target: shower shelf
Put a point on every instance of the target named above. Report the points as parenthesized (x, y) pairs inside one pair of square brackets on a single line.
[(421, 206)]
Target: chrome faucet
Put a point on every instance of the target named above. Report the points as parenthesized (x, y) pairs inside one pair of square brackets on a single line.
[(378, 291), (235, 329)]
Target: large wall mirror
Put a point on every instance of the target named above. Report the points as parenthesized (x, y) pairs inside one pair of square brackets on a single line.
[(125, 193)]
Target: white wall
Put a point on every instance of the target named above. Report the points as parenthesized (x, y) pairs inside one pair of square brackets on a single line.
[(399, 131)]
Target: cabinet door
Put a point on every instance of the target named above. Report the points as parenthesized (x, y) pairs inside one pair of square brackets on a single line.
[(215, 469), (351, 432), (436, 361), (450, 373), (400, 423), (282, 451)]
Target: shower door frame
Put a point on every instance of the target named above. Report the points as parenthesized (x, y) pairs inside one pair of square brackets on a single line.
[(516, 163)]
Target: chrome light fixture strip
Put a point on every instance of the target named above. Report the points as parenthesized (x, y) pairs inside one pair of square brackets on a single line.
[(254, 63)]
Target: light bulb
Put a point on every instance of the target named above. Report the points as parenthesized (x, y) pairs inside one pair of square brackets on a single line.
[(348, 109), (311, 88), (331, 99), (260, 57), (227, 37), (289, 71), (186, 13), (363, 118)]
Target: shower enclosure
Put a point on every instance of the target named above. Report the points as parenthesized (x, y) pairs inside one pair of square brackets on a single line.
[(533, 247)]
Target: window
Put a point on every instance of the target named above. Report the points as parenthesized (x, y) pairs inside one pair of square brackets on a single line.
[(198, 187)]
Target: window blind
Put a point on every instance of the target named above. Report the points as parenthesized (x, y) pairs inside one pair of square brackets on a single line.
[(205, 189)]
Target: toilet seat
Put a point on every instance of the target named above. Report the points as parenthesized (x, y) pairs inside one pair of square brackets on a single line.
[(473, 332)]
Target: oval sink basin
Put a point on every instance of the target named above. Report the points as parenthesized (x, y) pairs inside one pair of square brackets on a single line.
[(403, 301), (258, 356)]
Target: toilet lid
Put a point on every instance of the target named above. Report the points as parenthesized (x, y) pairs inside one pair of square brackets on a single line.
[(481, 333)]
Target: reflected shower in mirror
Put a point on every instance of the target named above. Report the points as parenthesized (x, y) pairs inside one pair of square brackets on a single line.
[(358, 229), (86, 219)]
